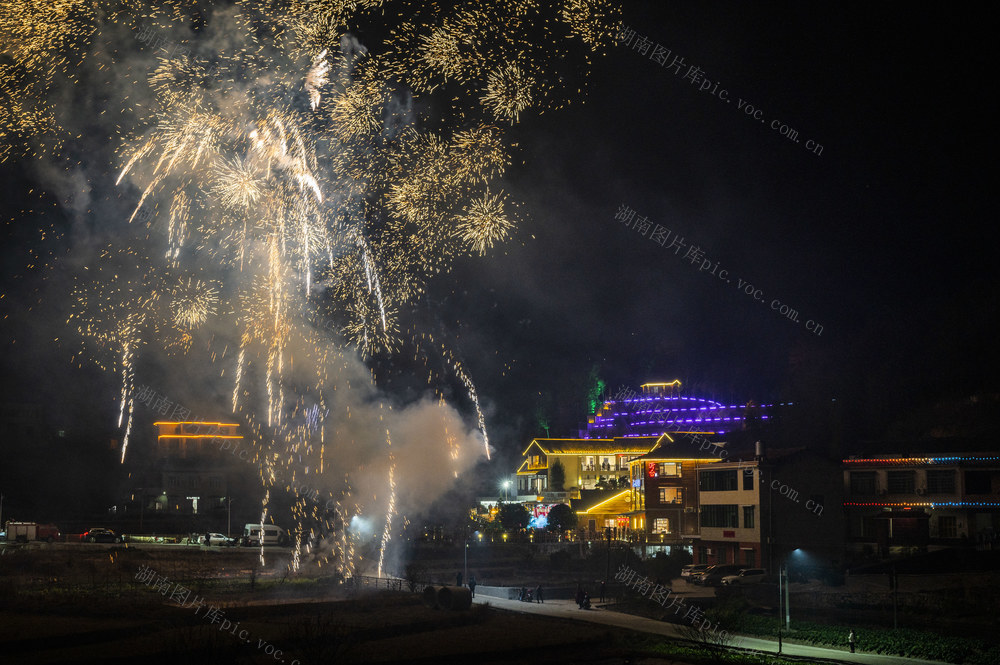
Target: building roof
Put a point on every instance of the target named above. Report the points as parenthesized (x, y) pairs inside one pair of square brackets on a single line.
[(616, 446), (618, 503), (936, 460)]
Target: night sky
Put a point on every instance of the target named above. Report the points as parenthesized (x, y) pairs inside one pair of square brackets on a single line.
[(884, 239)]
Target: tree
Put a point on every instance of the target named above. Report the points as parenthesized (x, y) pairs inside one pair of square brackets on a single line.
[(513, 516), (557, 477), (561, 518)]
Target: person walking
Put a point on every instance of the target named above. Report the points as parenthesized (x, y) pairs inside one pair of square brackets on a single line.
[(850, 640), (458, 579), (603, 589), (538, 593), (472, 585)]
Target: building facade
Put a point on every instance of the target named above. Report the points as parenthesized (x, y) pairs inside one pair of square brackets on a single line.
[(896, 504)]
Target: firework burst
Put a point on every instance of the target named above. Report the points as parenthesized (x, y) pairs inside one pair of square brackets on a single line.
[(300, 175)]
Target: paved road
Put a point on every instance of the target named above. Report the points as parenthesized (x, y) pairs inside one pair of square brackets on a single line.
[(568, 609)]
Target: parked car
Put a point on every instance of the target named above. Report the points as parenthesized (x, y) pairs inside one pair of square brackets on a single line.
[(693, 569), (713, 575), (216, 539), (746, 576), (102, 535), (266, 534)]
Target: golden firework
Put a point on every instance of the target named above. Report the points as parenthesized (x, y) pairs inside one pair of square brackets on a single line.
[(484, 223)]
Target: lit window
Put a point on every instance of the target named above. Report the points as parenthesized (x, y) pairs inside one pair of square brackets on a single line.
[(671, 495)]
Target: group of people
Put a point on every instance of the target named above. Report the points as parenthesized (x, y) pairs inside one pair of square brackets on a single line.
[(527, 596), (582, 598)]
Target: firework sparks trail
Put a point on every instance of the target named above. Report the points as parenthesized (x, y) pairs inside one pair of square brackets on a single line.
[(263, 521), (317, 78), (460, 371), (453, 448), (372, 277), (391, 509), (289, 161)]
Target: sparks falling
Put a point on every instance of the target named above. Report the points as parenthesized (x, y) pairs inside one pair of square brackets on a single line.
[(284, 175)]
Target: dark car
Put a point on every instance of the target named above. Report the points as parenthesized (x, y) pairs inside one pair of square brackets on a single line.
[(102, 535), (713, 576)]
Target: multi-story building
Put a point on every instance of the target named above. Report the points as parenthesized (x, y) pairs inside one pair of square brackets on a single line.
[(195, 440), (757, 509), (900, 503), (682, 471), (663, 508), (188, 482), (586, 463)]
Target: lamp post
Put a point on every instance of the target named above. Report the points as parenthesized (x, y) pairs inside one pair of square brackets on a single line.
[(788, 619), (783, 593), (229, 517), (607, 568), (506, 484), (466, 568)]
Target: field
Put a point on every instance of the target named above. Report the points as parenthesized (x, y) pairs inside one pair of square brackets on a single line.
[(102, 604)]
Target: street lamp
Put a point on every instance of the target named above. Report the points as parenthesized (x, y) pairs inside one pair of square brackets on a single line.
[(466, 578), (506, 484), (783, 570)]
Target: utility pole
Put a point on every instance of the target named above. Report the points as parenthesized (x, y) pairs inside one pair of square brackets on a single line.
[(894, 581), (780, 608), (607, 569), (788, 619)]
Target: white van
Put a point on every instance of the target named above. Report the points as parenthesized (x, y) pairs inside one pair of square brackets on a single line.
[(268, 534)]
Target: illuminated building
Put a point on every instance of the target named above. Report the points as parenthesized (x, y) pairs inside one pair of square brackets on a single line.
[(188, 480), (900, 503), (190, 440), (682, 471), (592, 468), (586, 463), (661, 407), (663, 501)]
